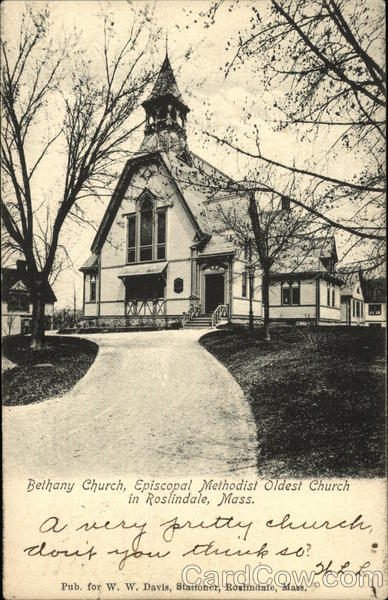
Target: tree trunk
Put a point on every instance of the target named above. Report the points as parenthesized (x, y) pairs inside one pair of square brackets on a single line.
[(250, 300), (265, 297), (37, 333)]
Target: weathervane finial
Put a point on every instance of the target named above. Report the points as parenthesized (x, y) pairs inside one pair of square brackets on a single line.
[(167, 42)]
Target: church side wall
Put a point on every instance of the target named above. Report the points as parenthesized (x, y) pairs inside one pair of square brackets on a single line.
[(240, 304)]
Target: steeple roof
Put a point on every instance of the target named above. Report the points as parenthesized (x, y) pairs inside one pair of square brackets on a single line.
[(165, 85)]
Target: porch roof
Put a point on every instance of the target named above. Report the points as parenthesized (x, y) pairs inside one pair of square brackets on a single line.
[(143, 269)]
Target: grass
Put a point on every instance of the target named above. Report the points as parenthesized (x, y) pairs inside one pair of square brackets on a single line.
[(43, 374), (317, 396)]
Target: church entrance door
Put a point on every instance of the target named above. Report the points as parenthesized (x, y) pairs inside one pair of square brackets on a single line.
[(214, 291)]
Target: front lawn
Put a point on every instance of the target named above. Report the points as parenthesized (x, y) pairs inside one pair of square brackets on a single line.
[(41, 375), (317, 396)]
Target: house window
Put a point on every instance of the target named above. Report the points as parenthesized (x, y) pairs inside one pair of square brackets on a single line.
[(244, 285), (291, 293), (374, 309), (333, 296), (92, 288), (354, 308), (161, 235), (131, 255), (328, 294), (362, 309), (19, 300), (358, 309)]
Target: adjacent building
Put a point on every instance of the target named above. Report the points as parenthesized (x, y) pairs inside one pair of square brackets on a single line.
[(16, 305), (305, 287), (375, 297), (352, 297), (158, 256)]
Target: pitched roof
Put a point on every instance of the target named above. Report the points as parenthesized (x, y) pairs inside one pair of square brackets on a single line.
[(165, 85), (375, 290), (194, 184), (90, 264), (11, 276), (350, 276), (325, 246)]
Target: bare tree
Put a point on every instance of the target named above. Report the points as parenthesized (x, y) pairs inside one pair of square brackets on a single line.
[(41, 77), (324, 60), (276, 230)]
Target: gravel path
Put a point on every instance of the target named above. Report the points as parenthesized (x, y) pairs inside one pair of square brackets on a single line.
[(153, 403)]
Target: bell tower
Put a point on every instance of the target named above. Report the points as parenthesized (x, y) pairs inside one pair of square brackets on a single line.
[(166, 113)]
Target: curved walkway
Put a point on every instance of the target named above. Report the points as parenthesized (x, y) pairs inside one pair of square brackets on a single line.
[(153, 403)]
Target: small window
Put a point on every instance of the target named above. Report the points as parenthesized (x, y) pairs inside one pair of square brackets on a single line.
[(161, 235), (92, 288), (131, 254), (328, 294), (285, 203), (358, 309), (178, 285), (362, 310), (333, 296), (244, 285), (374, 309), (295, 295), (286, 294)]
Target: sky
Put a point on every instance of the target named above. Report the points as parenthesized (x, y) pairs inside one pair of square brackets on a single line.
[(198, 55)]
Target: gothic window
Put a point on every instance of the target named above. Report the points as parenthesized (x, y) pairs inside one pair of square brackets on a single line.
[(178, 285), (146, 232)]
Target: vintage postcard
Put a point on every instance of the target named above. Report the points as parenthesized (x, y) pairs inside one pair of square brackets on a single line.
[(193, 299)]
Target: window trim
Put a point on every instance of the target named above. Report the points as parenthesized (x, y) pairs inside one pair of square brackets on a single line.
[(93, 286), (373, 312), (290, 286), (155, 246)]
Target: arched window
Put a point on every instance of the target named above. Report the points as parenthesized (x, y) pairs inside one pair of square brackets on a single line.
[(93, 281), (146, 231)]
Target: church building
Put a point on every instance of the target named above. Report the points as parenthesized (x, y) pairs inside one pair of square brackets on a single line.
[(159, 256), (155, 254)]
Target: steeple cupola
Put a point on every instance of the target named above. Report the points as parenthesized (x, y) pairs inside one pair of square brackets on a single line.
[(166, 113)]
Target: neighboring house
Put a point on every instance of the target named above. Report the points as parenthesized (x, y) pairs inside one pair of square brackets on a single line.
[(16, 306), (155, 254), (375, 296), (305, 288), (352, 298)]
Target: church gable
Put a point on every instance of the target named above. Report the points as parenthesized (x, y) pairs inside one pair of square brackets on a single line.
[(145, 182)]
